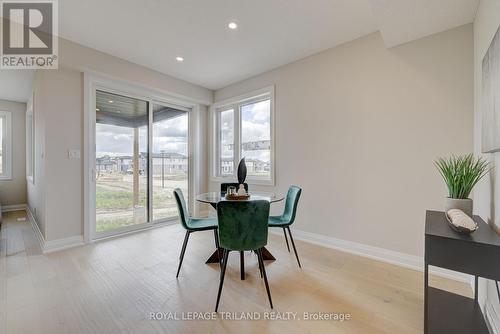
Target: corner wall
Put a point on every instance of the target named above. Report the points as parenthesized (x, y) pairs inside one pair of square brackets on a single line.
[(358, 128)]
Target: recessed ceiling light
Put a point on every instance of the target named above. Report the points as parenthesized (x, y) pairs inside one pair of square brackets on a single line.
[(232, 25), (179, 59), (111, 101), (97, 109)]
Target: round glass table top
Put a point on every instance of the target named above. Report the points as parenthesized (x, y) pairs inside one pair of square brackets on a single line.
[(216, 197)]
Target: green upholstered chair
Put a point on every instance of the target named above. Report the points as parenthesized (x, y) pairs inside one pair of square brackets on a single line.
[(243, 227), (192, 224), (224, 186), (288, 217)]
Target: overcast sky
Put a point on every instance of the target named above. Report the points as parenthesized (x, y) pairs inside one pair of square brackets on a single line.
[(256, 126), (171, 135), (255, 123)]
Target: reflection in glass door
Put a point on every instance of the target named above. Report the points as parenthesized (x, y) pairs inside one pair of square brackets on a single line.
[(170, 159), (121, 165)]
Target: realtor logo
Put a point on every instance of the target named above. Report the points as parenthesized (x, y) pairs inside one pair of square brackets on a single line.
[(29, 34)]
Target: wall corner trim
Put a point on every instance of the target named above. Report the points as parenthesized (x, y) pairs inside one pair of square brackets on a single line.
[(36, 229), (52, 245), (376, 253)]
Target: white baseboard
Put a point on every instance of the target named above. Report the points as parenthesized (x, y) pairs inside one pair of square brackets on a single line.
[(492, 318), (13, 207), (65, 243), (376, 253), (52, 245)]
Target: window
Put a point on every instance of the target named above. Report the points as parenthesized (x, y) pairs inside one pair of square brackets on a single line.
[(244, 129), (226, 142), (256, 138), (5, 145), (30, 137)]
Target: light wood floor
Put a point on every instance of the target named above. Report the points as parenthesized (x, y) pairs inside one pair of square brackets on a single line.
[(112, 286)]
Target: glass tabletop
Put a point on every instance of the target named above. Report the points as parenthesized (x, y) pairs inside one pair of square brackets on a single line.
[(216, 197)]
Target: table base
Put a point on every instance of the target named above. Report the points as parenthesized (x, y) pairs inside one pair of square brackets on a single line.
[(216, 257)]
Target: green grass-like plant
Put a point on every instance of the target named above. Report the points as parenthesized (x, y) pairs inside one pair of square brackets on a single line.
[(462, 173)]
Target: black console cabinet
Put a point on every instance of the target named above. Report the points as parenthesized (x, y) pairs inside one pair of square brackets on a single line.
[(477, 254)]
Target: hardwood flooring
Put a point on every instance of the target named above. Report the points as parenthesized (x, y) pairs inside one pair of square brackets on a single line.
[(113, 286)]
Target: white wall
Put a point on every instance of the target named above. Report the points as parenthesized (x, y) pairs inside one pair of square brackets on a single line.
[(36, 190), (485, 25), (13, 191), (358, 127), (56, 198), (63, 176)]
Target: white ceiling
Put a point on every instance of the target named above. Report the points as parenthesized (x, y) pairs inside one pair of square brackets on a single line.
[(270, 33)]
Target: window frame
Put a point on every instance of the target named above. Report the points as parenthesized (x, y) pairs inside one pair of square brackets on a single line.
[(218, 139), (6, 173), (236, 103), (30, 141)]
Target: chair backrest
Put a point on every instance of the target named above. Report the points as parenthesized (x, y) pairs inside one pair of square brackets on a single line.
[(292, 201), (243, 224), (181, 206), (224, 186)]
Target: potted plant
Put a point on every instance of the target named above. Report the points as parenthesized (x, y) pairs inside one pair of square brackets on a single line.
[(461, 174)]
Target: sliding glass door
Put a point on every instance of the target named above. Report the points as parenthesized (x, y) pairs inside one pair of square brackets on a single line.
[(170, 159), (121, 161), (141, 155)]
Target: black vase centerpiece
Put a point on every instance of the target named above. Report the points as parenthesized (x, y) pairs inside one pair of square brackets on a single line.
[(242, 173)]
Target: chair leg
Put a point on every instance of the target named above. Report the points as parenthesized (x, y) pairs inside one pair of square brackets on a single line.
[(216, 236), (223, 273), (260, 268), (181, 257), (286, 238), (242, 265), (293, 244), (261, 261)]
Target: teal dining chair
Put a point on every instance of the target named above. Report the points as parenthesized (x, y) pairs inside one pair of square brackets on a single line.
[(243, 227), (223, 191), (191, 224), (288, 217)]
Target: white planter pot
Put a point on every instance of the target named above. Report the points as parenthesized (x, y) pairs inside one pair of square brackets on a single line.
[(462, 204)]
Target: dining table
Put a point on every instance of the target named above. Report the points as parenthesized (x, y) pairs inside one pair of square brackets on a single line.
[(213, 198)]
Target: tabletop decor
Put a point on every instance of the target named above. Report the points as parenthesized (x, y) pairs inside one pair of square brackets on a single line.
[(237, 197), (460, 222), (461, 174)]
